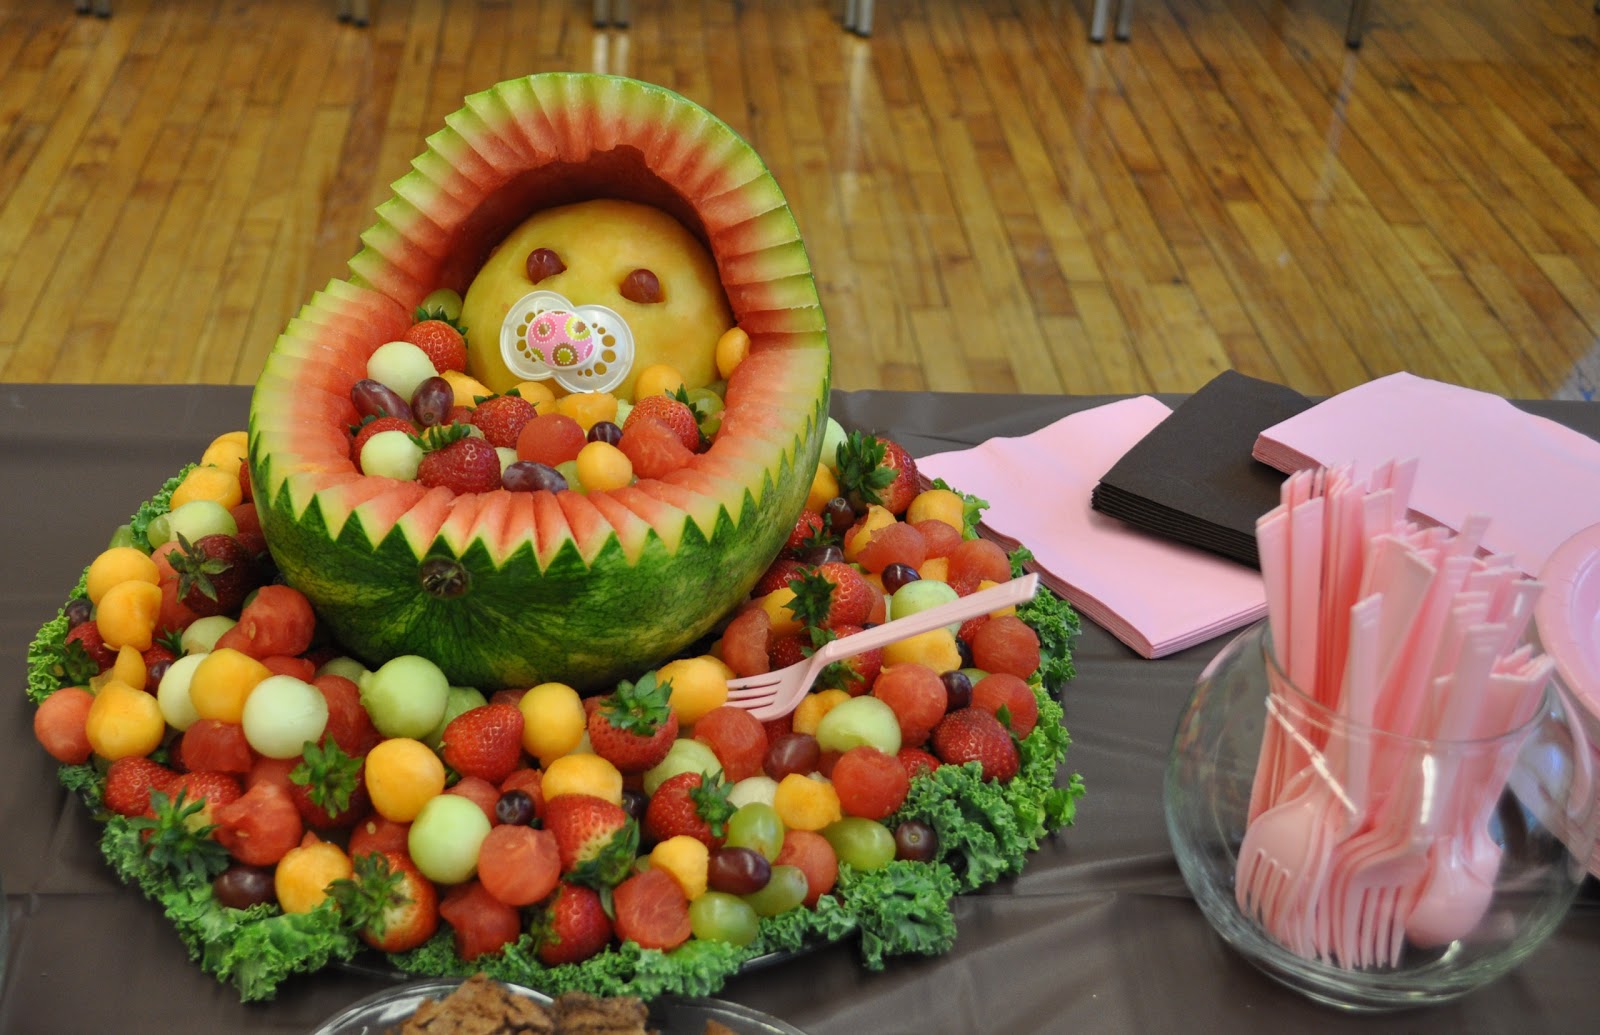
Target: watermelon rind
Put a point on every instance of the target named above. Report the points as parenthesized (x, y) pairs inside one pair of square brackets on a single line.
[(595, 590)]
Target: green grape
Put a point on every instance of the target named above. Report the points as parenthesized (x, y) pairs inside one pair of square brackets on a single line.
[(569, 470), (756, 825), (158, 531), (786, 889), (865, 844), (717, 916), (123, 536)]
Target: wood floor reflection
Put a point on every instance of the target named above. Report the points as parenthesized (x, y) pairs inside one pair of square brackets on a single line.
[(991, 203)]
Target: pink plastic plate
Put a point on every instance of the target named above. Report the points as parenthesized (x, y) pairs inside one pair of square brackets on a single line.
[(1569, 614)]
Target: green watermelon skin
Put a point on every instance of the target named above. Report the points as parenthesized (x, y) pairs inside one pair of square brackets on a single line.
[(578, 589)]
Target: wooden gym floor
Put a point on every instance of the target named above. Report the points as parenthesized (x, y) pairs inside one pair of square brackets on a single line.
[(991, 203)]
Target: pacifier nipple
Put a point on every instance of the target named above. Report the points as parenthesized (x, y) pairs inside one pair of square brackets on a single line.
[(586, 348)]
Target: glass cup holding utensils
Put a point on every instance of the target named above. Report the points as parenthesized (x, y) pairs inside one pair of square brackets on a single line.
[(1365, 869)]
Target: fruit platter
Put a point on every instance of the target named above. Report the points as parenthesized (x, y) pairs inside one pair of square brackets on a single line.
[(428, 667)]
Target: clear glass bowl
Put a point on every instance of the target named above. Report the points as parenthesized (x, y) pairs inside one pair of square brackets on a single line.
[(1535, 796)]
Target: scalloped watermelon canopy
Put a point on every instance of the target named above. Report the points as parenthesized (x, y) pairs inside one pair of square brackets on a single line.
[(511, 589)]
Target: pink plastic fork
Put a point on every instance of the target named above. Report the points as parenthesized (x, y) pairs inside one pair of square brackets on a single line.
[(773, 695)]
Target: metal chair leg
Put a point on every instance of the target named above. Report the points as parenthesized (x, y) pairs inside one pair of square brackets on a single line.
[(1098, 19), (1124, 19), (611, 12), (1358, 23), (356, 12), (858, 16)]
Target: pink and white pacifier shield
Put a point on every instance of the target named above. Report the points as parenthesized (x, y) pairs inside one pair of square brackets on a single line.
[(584, 348)]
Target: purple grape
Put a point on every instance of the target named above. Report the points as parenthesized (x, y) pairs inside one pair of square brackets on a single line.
[(78, 611), (605, 431), (957, 689), (634, 802), (376, 399), (640, 286), (432, 401), (839, 514), (916, 841), (542, 263), (897, 575), (828, 553), (532, 476), (792, 753), (738, 871), (157, 670), (240, 887), (515, 808)]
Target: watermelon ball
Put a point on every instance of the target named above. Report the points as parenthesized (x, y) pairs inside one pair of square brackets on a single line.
[(551, 439)]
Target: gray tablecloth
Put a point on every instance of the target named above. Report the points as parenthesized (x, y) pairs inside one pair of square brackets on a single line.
[(1097, 935)]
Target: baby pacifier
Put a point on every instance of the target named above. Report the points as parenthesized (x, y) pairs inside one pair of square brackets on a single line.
[(584, 348)]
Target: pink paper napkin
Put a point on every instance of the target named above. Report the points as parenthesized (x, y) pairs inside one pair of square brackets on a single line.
[(1539, 482), (1156, 596)]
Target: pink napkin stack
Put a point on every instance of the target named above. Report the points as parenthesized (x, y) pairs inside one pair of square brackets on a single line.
[(1156, 596), (1477, 453)]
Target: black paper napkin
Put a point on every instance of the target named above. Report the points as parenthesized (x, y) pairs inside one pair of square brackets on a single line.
[(1193, 479)]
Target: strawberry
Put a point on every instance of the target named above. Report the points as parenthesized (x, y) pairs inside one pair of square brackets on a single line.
[(371, 426), (876, 470), (501, 418), (674, 413), (597, 839), (211, 789), (485, 742), (329, 787), (691, 804), (129, 782), (778, 575), (215, 573), (807, 528), (441, 338), (916, 761), (833, 595), (634, 728), (853, 675), (458, 461), (391, 904), (898, 496), (90, 657), (575, 926), (974, 735), (852, 595), (786, 650)]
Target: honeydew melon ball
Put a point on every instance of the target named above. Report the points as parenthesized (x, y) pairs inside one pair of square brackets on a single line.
[(202, 634), (922, 595), (401, 366), (684, 756), (199, 518), (172, 695), (601, 242), (281, 714), (445, 838), (832, 439), (763, 789), (391, 454), (406, 697)]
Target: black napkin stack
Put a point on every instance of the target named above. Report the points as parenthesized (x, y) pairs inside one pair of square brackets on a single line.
[(1193, 480)]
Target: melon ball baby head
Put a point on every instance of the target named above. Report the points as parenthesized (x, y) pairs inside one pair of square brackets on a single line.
[(598, 224), (644, 291)]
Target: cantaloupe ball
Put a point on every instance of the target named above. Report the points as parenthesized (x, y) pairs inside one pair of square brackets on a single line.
[(600, 243)]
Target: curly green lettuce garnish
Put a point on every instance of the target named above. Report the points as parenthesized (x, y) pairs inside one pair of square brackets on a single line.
[(902, 909)]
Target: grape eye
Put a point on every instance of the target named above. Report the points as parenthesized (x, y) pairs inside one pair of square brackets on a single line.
[(542, 263), (641, 286)]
